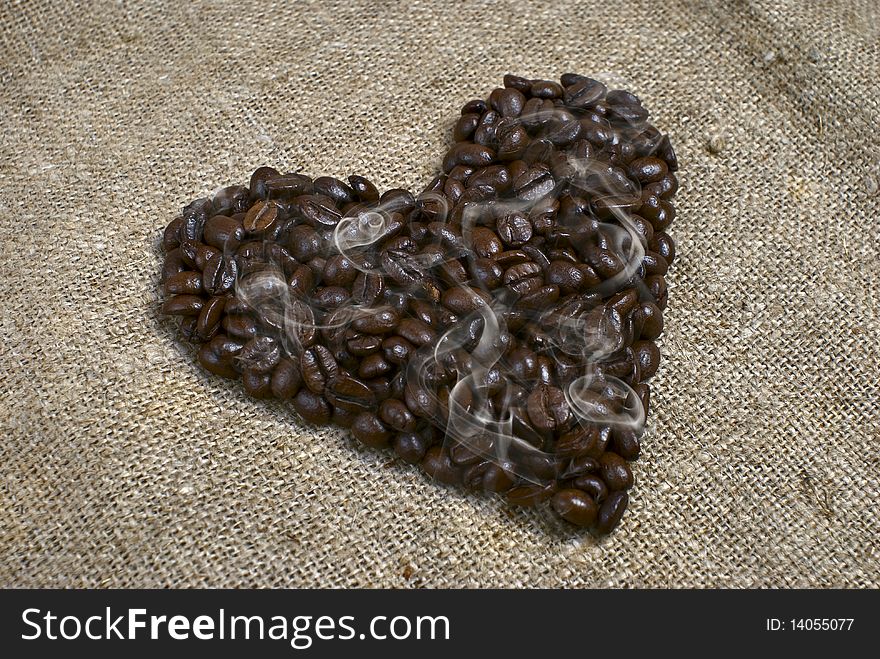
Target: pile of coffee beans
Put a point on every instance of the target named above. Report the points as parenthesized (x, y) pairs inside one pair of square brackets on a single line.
[(497, 329)]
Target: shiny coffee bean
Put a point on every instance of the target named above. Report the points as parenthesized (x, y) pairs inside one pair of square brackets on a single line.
[(611, 511), (575, 506), (615, 471)]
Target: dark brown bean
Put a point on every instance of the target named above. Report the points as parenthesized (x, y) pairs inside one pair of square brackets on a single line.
[(611, 511), (575, 506)]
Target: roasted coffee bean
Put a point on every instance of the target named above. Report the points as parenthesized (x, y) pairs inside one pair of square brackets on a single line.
[(397, 350), (485, 242), (260, 355), (239, 325), (367, 288), (615, 471), (548, 409), (465, 127), (663, 245), (286, 379), (545, 89), (288, 186), (649, 319), (524, 278), (402, 267), (318, 368), (487, 476), (339, 271), (507, 101), (611, 511), (625, 442), (220, 275), (397, 415), (462, 300), (316, 210), (188, 282), (209, 318), (261, 216), (575, 506), (473, 155), (224, 233), (257, 384), (486, 273), (213, 363), (311, 407), (258, 180), (533, 184), (416, 332), (592, 485), (530, 494), (183, 305), (374, 366), (330, 297), (363, 189), (583, 93), (519, 83), (334, 189), (648, 356), (379, 321), (437, 465), (350, 394), (410, 447), (515, 229)]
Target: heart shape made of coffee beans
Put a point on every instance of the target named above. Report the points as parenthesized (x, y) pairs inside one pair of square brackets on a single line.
[(497, 329)]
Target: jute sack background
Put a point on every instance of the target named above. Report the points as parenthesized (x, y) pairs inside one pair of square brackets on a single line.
[(124, 464)]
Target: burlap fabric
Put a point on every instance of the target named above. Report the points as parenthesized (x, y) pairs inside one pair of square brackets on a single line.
[(124, 464)]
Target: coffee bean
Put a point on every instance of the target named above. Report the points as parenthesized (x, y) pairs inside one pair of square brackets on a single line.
[(473, 155), (261, 216), (410, 447), (437, 465), (316, 210), (213, 363), (575, 506), (625, 442), (648, 356), (350, 394), (533, 184), (311, 407), (240, 326), (507, 101), (286, 379), (209, 318), (318, 368), (183, 305), (583, 93), (515, 229), (333, 188), (530, 495), (592, 485), (548, 410), (416, 332), (615, 471), (379, 321), (224, 233), (611, 511), (220, 275), (545, 89), (487, 476), (374, 366), (519, 83), (397, 415)]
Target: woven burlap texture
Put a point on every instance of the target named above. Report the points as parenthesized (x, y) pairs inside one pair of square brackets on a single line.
[(125, 464)]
